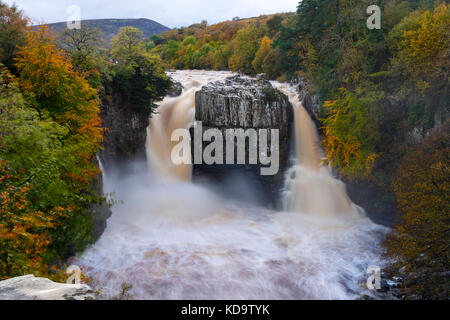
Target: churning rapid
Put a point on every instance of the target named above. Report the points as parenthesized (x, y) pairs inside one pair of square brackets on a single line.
[(172, 239)]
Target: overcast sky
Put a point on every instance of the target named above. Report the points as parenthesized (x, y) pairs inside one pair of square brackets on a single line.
[(172, 13)]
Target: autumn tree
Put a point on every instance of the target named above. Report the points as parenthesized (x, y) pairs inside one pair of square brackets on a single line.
[(419, 245), (49, 78), (83, 47), (24, 232), (261, 54), (12, 32), (31, 189), (350, 135), (138, 75), (423, 46), (267, 59), (61, 169), (127, 44), (246, 44)]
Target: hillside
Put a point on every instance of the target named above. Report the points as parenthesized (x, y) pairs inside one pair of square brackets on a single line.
[(218, 46), (222, 31), (110, 27)]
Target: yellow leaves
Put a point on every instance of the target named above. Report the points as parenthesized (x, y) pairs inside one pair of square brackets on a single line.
[(425, 46), (261, 54), (59, 209), (329, 104), (349, 135)]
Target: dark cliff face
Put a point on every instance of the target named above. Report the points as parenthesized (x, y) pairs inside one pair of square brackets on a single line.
[(126, 131), (309, 101), (176, 89), (241, 103)]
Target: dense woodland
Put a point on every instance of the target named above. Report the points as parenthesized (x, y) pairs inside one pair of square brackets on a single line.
[(51, 131), (384, 96)]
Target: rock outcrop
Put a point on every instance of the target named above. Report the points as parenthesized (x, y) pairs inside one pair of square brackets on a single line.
[(31, 288), (244, 103), (309, 101), (176, 89)]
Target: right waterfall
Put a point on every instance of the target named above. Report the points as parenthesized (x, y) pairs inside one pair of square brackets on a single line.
[(310, 187)]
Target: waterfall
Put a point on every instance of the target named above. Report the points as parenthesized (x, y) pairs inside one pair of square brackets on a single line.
[(310, 186), (105, 184), (177, 240), (175, 113)]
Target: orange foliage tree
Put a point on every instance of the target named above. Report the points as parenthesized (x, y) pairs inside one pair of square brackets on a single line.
[(60, 165), (48, 80), (24, 232)]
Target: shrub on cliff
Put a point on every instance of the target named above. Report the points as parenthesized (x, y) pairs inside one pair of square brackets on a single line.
[(350, 135), (141, 81), (137, 75)]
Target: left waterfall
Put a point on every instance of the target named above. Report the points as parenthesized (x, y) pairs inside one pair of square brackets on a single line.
[(175, 113)]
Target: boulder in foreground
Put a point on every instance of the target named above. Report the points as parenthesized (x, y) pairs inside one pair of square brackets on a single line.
[(31, 288)]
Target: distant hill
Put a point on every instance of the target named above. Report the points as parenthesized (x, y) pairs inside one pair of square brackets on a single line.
[(224, 31), (111, 27)]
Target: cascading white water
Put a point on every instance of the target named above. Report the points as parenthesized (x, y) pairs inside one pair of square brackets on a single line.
[(175, 113), (172, 239)]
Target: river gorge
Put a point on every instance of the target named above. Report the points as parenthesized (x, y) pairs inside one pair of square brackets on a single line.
[(176, 235)]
